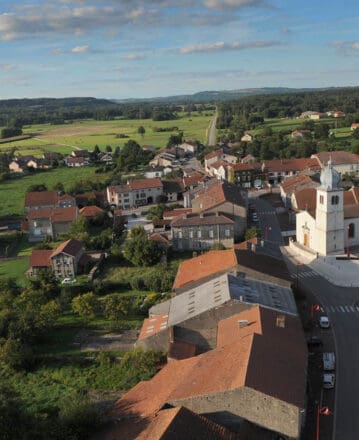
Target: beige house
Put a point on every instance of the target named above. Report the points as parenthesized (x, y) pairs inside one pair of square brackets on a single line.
[(343, 162), (136, 193)]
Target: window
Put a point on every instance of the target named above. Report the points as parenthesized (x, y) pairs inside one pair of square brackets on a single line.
[(335, 200), (199, 234), (211, 233), (227, 233), (351, 230), (190, 234), (179, 234), (321, 200)]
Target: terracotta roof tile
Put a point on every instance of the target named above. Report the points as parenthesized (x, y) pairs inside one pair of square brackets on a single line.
[(159, 238), (204, 265), (278, 165), (90, 211), (201, 220), (218, 193), (145, 183), (306, 199), (245, 244), (153, 325), (246, 166), (291, 183), (41, 198), (169, 215), (40, 258), (193, 179), (178, 350), (338, 157), (216, 153), (69, 247), (55, 215)]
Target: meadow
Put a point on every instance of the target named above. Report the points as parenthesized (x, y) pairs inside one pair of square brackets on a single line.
[(12, 191), (85, 134)]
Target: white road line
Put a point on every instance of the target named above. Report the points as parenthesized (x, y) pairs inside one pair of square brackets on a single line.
[(341, 308), (357, 307), (351, 308), (334, 309), (347, 308)]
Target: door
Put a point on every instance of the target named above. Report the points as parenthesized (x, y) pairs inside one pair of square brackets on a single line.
[(306, 239)]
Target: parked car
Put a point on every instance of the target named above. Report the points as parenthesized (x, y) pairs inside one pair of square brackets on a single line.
[(314, 341), (328, 361), (324, 322), (328, 380), (68, 281)]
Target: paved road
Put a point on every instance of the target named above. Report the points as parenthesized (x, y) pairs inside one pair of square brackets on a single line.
[(342, 306), (268, 221), (212, 132)]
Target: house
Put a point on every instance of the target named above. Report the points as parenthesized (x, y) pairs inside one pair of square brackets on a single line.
[(223, 154), (218, 169), (193, 180), (47, 199), (300, 133), (354, 126), (249, 158), (90, 212), (278, 169), (343, 162), (156, 171), (50, 222), (229, 381), (77, 161), (293, 184), (105, 158), (316, 115), (253, 264), (187, 148), (201, 231), (80, 153), (339, 114), (193, 315), (226, 198), (247, 138), (22, 164), (163, 160), (170, 215), (136, 193), (173, 190), (97, 198), (67, 260), (246, 175)]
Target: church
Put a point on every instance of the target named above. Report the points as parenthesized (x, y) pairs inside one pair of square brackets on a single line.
[(327, 222)]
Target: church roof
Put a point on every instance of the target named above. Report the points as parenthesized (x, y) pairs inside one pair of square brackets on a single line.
[(329, 178)]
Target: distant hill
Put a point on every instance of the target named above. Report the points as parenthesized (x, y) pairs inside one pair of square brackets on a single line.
[(216, 96), (53, 103)]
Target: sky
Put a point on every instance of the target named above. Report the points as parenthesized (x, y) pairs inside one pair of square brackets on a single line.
[(148, 48)]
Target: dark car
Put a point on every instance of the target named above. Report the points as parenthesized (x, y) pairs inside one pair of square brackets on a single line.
[(314, 341)]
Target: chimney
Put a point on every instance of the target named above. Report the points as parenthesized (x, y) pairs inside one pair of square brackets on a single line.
[(243, 323), (280, 321)]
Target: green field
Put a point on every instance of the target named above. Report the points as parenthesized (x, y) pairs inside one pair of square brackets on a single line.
[(12, 192), (86, 134), (15, 269)]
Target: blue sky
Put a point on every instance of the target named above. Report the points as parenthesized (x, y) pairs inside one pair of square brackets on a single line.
[(147, 48)]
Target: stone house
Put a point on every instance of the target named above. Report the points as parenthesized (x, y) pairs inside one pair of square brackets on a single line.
[(47, 200), (201, 231), (223, 154), (245, 175), (66, 261), (277, 170), (226, 198), (173, 190), (50, 222), (136, 193), (343, 162)]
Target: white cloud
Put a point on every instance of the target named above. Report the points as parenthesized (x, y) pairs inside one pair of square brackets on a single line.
[(222, 46), (134, 56), (355, 45), (81, 49), (8, 67), (231, 4)]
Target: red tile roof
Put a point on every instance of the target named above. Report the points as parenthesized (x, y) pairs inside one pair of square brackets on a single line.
[(159, 238), (193, 179), (139, 184), (40, 258), (216, 153), (153, 325), (69, 247), (179, 350), (290, 184), (295, 165), (218, 193), (169, 215), (306, 199), (41, 198), (204, 265), (338, 157), (55, 215), (90, 211), (181, 423), (246, 166), (244, 244)]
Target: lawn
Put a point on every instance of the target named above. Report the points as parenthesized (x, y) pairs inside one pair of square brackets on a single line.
[(12, 192), (88, 133), (15, 269)]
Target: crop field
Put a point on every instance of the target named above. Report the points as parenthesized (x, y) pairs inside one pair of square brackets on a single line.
[(85, 134), (12, 192)]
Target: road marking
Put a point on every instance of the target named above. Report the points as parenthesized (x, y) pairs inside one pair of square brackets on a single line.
[(351, 308), (341, 308), (357, 307), (347, 308)]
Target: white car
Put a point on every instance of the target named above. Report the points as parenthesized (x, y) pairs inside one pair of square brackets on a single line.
[(68, 281), (328, 381), (324, 322)]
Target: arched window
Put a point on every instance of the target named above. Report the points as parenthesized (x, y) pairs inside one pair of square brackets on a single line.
[(351, 230), (335, 200)]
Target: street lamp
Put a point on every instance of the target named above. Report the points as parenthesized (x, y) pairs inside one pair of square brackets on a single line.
[(321, 411), (348, 252)]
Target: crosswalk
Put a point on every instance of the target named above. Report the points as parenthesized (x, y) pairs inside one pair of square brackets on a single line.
[(342, 309), (304, 274), (266, 212)]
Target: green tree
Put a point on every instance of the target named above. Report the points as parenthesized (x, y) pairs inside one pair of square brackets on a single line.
[(15, 353), (140, 250), (86, 305), (79, 230), (116, 307), (252, 232), (141, 130)]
